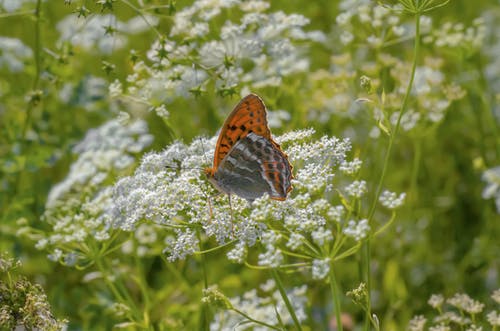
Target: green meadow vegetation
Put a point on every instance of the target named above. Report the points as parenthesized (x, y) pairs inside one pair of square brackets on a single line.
[(389, 112)]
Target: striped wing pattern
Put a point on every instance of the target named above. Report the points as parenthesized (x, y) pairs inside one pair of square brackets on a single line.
[(255, 166)]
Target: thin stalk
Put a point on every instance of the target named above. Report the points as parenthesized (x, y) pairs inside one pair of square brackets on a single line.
[(336, 298), (404, 106), (366, 250), (254, 320), (285, 299), (417, 146)]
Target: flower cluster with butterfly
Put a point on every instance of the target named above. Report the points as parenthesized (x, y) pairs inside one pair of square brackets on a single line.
[(321, 220)]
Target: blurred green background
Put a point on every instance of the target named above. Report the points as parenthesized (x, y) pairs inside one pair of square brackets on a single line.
[(445, 239)]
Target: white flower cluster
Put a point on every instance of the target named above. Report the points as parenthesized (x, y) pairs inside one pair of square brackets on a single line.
[(465, 303), (417, 323), (459, 36), (385, 25), (365, 49), (101, 32), (357, 230), (13, 53), (257, 50), (86, 94), (13, 5), (492, 189), (169, 189), (75, 207), (264, 309), (391, 200)]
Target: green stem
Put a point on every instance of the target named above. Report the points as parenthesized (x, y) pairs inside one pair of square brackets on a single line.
[(392, 137), (122, 298), (285, 299), (139, 12), (336, 298), (254, 320), (417, 146)]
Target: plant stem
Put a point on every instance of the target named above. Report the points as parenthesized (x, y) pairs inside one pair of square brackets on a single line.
[(285, 299), (394, 132), (365, 258), (335, 298), (254, 320)]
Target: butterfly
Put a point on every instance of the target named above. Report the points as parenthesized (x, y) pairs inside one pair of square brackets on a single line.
[(247, 161)]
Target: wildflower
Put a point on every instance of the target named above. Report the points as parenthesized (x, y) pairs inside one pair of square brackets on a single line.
[(451, 316), (185, 243), (391, 200), (436, 301), (350, 167), (336, 213), (13, 53), (440, 327), (295, 241), (264, 309), (356, 189), (492, 189), (465, 303), (75, 217), (359, 295), (417, 323), (321, 236), (357, 230), (213, 296), (493, 318), (320, 268), (115, 89), (238, 253), (496, 295)]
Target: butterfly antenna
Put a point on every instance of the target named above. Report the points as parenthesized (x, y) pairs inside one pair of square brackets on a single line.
[(178, 167)]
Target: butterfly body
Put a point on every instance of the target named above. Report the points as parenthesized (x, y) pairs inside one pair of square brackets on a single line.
[(247, 161)]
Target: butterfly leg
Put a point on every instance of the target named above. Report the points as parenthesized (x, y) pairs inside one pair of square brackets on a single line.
[(209, 200)]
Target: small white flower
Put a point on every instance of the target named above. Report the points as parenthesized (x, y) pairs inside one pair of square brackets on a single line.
[(440, 327), (321, 236), (162, 111), (436, 301), (238, 253), (320, 268), (356, 189), (417, 323), (115, 89), (391, 200), (398, 30), (350, 167), (492, 189), (493, 318), (295, 241), (496, 295), (357, 230), (346, 37), (464, 302), (13, 53)]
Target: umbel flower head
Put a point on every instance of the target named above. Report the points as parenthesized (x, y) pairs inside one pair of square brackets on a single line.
[(169, 205), (169, 189)]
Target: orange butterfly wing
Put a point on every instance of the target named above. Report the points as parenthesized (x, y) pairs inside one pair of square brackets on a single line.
[(249, 115)]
